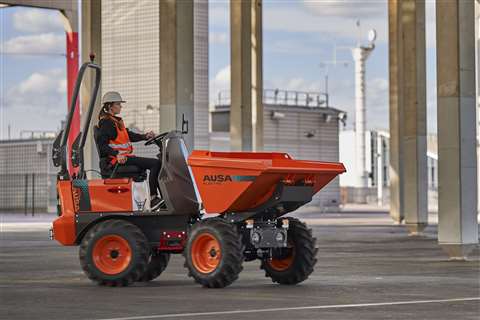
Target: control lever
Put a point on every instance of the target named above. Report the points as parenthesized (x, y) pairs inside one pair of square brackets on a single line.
[(114, 170)]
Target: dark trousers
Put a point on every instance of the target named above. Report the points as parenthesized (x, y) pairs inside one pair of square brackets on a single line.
[(151, 164)]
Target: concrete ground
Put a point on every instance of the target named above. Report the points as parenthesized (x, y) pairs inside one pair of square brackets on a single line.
[(367, 268)]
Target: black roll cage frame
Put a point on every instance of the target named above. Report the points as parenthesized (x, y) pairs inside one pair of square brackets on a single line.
[(59, 153)]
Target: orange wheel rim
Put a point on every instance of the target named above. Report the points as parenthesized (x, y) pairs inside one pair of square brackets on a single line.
[(206, 253), (112, 254), (282, 264)]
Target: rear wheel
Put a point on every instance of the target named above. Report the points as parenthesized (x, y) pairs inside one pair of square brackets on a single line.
[(156, 265), (114, 253), (214, 253), (295, 263)]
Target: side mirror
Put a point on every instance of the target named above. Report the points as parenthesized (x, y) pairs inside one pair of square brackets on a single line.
[(57, 150), (76, 152), (184, 125)]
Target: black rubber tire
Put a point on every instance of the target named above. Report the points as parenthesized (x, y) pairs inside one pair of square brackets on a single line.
[(138, 244), (231, 247), (158, 262), (305, 256)]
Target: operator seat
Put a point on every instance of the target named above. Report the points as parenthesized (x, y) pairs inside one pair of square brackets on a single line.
[(123, 171)]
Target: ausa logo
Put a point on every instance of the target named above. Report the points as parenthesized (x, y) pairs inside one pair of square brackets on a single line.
[(221, 178), (216, 179), (76, 198)]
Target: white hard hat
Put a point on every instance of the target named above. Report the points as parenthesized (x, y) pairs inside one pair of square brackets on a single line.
[(112, 96)]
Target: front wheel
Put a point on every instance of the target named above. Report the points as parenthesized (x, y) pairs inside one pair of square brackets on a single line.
[(295, 263), (114, 253), (214, 253)]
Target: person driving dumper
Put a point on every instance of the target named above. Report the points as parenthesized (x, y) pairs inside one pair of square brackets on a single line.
[(114, 142)]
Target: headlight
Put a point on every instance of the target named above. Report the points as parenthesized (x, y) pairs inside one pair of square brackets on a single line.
[(256, 237), (279, 237)]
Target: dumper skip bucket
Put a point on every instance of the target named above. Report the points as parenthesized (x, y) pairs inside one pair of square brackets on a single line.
[(241, 181)]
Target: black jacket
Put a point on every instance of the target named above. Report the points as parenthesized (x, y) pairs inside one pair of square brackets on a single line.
[(107, 132)]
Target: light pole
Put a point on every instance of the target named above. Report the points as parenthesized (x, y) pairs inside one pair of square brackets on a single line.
[(325, 64)]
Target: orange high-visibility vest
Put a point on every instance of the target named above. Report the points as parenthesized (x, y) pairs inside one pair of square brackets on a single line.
[(122, 142)]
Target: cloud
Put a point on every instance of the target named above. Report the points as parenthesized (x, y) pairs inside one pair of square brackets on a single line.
[(218, 38), (62, 86), (37, 20), (35, 44), (294, 84), (333, 20), (219, 14), (330, 21), (42, 93), (347, 8), (299, 45), (377, 92), (377, 103), (221, 82), (430, 29)]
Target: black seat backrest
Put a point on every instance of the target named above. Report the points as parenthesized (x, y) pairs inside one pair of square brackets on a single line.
[(96, 132)]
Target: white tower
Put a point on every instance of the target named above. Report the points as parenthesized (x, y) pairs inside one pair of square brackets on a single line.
[(360, 55)]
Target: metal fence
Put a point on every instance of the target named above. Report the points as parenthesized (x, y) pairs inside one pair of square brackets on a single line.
[(283, 97), (28, 192)]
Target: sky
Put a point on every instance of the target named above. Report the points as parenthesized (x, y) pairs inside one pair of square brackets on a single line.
[(33, 70), (300, 42)]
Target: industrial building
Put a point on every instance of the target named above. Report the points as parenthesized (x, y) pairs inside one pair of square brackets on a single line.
[(27, 176), (377, 144)]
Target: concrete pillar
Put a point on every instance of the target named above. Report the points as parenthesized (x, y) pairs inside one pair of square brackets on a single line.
[(477, 60), (91, 42), (457, 163), (413, 82), (395, 53), (176, 66), (246, 110)]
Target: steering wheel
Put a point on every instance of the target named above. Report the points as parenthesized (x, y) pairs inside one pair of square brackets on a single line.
[(157, 137)]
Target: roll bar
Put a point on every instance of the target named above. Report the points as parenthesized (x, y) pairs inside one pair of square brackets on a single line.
[(60, 153)]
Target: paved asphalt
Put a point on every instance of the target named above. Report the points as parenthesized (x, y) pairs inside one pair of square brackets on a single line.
[(368, 270)]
